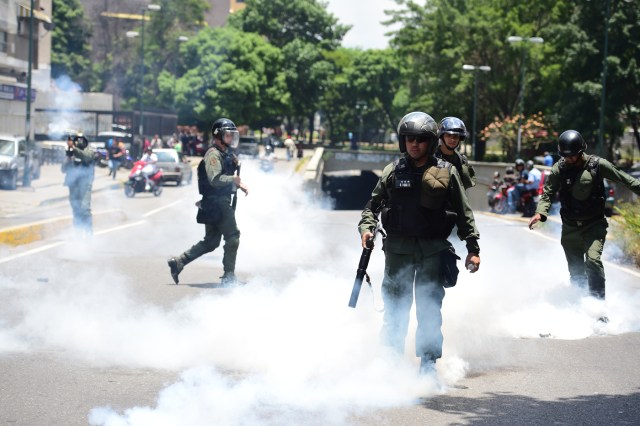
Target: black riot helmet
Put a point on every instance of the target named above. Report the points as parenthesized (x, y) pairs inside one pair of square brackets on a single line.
[(80, 141), (571, 143), (222, 127), (422, 126), (452, 126)]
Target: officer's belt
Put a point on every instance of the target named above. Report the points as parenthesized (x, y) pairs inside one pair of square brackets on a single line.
[(580, 223)]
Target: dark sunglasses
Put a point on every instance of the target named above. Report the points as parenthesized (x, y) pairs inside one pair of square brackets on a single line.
[(419, 138)]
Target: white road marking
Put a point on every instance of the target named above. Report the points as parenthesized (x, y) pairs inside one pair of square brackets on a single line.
[(159, 209), (30, 252)]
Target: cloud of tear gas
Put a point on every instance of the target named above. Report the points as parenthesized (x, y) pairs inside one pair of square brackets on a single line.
[(66, 98), (285, 347)]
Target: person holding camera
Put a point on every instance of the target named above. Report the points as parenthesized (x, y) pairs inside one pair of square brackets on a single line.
[(79, 172)]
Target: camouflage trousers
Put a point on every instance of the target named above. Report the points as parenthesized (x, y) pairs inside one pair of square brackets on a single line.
[(80, 200), (228, 229), (583, 247), (403, 272)]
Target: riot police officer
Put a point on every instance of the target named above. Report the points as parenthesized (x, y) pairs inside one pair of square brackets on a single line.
[(79, 173), (410, 199), (217, 183), (578, 180), (451, 132)]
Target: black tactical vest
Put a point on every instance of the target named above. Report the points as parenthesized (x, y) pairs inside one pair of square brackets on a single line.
[(229, 166), (461, 163), (572, 208), (403, 215)]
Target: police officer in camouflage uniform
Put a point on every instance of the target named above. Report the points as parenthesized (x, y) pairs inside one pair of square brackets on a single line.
[(410, 199), (217, 183), (79, 173), (578, 180), (451, 132)]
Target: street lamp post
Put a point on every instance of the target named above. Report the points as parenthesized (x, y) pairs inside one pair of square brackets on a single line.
[(179, 40), (154, 7), (518, 39), (26, 176), (361, 106), (473, 68)]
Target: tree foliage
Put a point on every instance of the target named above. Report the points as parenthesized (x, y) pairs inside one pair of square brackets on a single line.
[(70, 49), (280, 61), (230, 74)]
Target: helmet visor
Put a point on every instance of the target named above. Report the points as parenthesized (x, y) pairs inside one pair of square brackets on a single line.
[(230, 137)]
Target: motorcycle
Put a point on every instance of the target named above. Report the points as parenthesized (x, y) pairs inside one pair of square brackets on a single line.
[(137, 182), (498, 199), (101, 157)]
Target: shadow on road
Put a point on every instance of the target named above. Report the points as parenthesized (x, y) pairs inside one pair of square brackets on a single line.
[(508, 409)]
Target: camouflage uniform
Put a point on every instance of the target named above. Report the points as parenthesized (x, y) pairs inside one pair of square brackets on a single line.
[(414, 251), (215, 181), (465, 170), (584, 225), (79, 174)]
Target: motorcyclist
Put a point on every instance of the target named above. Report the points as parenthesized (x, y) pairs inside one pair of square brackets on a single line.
[(513, 194), (150, 167)]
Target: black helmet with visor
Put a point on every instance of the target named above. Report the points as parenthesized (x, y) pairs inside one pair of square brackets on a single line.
[(225, 130)]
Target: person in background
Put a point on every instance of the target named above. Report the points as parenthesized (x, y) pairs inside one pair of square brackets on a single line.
[(156, 142), (79, 173), (116, 155), (548, 159), (451, 132), (290, 147)]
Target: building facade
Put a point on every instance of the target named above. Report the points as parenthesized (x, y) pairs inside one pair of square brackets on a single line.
[(14, 59)]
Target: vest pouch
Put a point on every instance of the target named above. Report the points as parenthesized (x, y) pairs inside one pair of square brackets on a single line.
[(391, 218), (449, 268), (581, 190), (208, 212)]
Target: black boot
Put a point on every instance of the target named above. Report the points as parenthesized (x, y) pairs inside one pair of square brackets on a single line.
[(176, 264), (228, 279)]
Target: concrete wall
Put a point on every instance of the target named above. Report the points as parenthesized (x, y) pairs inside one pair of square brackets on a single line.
[(327, 161)]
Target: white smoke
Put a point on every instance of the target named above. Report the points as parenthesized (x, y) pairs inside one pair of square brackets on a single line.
[(285, 348), (67, 97)]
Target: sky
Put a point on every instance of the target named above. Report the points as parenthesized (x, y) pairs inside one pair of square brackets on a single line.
[(365, 17)]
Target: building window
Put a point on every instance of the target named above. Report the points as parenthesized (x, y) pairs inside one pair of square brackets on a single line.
[(4, 44)]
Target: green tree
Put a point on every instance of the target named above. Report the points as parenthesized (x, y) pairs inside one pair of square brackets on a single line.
[(574, 89), (162, 51), (229, 74), (286, 21), (304, 31), (363, 84), (70, 49)]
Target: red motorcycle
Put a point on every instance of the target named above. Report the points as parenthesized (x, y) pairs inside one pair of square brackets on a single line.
[(138, 183), (498, 198)]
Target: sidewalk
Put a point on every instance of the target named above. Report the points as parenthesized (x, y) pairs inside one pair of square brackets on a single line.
[(22, 217)]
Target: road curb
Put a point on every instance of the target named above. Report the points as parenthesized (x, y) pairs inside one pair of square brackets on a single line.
[(37, 231)]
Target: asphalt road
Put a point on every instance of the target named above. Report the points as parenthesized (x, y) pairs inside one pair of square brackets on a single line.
[(96, 332)]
